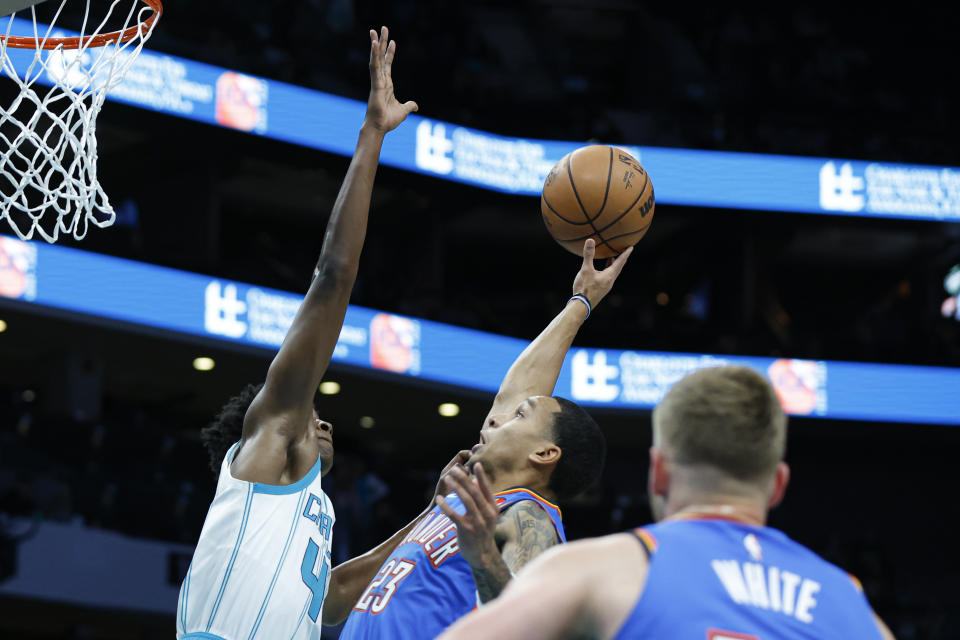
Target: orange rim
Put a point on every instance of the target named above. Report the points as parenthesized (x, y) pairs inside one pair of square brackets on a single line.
[(77, 42)]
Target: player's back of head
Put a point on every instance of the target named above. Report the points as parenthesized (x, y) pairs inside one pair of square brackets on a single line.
[(727, 419), (583, 450), (227, 427)]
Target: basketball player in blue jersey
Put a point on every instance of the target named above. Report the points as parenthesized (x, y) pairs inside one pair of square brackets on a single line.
[(709, 568), (501, 511), (261, 568)]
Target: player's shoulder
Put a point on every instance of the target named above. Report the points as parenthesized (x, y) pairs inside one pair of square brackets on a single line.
[(599, 556), (809, 557), (524, 506)]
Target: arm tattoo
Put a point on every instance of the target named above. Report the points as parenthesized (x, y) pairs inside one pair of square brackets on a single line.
[(533, 533), (491, 580)]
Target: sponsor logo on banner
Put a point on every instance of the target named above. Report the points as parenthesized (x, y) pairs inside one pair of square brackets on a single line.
[(222, 311), (592, 378), (801, 385), (18, 269), (162, 83), (242, 102), (643, 379), (264, 318), (433, 148), (508, 164), (395, 343), (890, 189), (840, 190)]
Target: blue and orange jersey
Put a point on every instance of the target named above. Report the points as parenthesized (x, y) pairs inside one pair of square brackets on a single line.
[(722, 579), (426, 585)]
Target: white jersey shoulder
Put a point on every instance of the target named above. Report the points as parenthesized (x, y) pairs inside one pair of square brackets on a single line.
[(262, 564)]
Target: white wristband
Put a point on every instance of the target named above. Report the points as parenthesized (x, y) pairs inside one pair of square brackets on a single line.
[(582, 298)]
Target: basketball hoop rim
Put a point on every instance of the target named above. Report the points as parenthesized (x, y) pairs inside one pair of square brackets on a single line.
[(78, 42)]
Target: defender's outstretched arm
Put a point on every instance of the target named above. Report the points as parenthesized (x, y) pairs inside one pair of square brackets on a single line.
[(280, 413)]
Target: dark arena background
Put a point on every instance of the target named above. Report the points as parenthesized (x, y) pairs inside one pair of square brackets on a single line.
[(832, 267)]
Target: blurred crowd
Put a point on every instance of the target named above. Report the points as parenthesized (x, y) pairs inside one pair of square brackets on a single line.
[(131, 473), (762, 80), (757, 79)]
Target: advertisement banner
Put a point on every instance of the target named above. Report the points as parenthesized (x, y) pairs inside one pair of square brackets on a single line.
[(205, 93), (188, 303)]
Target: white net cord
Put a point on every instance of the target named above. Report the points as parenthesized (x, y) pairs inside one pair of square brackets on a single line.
[(48, 144)]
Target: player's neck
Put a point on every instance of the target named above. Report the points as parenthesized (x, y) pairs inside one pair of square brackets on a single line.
[(722, 511), (504, 481), (747, 509)]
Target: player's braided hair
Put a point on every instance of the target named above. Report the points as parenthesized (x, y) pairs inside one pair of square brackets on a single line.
[(583, 447)]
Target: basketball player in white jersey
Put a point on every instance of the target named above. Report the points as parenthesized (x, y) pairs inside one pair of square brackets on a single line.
[(262, 565)]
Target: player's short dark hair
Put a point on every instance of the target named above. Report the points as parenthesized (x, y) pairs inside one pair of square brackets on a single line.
[(728, 418), (227, 427), (583, 450)]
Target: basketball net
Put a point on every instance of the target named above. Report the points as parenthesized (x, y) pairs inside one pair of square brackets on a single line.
[(48, 143)]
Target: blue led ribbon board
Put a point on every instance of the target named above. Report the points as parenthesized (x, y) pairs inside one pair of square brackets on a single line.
[(205, 93), (186, 303)]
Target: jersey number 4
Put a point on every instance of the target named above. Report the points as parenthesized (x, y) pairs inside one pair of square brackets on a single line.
[(317, 582), (385, 583)]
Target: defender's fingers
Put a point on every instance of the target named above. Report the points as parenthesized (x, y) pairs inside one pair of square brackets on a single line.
[(384, 40), (391, 52), (448, 510), (374, 50), (411, 106), (467, 490), (482, 482)]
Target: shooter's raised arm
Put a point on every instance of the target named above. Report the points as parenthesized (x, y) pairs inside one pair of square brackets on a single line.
[(281, 412), (497, 547), (535, 371)]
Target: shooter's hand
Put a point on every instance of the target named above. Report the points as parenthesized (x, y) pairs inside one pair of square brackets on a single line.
[(384, 112), (597, 284)]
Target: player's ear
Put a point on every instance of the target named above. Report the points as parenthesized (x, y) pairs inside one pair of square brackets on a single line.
[(548, 454), (658, 481), (781, 479)]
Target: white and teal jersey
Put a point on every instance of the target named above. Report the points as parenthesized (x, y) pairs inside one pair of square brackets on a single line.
[(262, 566)]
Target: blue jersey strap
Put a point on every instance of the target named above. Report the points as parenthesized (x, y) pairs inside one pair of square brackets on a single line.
[(510, 496), (646, 540)]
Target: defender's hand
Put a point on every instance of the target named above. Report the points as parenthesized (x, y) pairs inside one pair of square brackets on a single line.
[(443, 487), (384, 112), (597, 284), (477, 526)]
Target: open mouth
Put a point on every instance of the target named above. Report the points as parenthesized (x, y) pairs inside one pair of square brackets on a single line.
[(483, 441)]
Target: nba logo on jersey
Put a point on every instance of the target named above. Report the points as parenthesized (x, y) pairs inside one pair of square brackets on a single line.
[(752, 543)]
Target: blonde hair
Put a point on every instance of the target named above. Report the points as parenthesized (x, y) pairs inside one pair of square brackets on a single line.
[(727, 418)]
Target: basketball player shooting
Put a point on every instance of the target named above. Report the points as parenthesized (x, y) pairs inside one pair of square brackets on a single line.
[(710, 568), (534, 451), (262, 564)]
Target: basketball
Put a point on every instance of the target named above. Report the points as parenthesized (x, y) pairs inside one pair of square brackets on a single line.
[(598, 192)]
